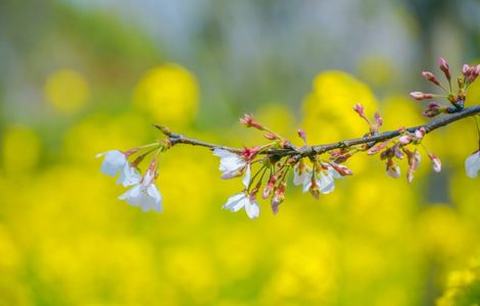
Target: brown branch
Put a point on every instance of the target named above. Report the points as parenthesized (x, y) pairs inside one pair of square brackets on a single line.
[(175, 139), (306, 151)]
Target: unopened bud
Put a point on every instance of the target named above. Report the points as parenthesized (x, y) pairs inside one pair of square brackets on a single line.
[(248, 121), (278, 197), (341, 169), (378, 119), (419, 96), (377, 148), (419, 133), (430, 77), (267, 191), (270, 136), (393, 170), (475, 72), (413, 163), (301, 133), (405, 139), (436, 162), (470, 73), (397, 152), (359, 109), (433, 109), (442, 63)]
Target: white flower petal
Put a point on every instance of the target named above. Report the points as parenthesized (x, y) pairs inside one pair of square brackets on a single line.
[(148, 178), (394, 171), (236, 202), (222, 153), (147, 197), (152, 199), (133, 196), (231, 164), (246, 178), (307, 184), (129, 176), (113, 162), (300, 179), (334, 173), (252, 209), (472, 165), (325, 182)]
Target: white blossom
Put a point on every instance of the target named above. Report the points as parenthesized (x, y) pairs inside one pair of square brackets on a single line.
[(394, 171), (301, 176), (472, 165), (437, 165), (144, 194), (231, 164), (129, 176), (247, 176), (113, 163), (325, 181), (245, 201), (308, 183)]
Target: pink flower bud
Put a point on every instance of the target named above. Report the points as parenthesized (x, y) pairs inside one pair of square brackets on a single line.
[(475, 72), (270, 136), (267, 191), (248, 121), (413, 163), (419, 133), (359, 109), (314, 188), (430, 77), (470, 73), (442, 63), (410, 175), (433, 109), (397, 152), (278, 197), (419, 96), (378, 119), (393, 170), (301, 133), (405, 139), (377, 148), (436, 162), (341, 169)]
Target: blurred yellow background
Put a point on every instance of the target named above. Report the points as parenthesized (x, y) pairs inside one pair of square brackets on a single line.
[(83, 77)]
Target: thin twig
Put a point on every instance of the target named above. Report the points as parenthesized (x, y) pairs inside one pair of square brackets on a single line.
[(306, 151)]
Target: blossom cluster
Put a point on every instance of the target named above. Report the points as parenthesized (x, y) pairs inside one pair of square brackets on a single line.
[(456, 99), (269, 181), (143, 192), (266, 169)]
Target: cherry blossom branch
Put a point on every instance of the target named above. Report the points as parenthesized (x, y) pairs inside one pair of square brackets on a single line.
[(310, 151), (265, 168), (429, 127)]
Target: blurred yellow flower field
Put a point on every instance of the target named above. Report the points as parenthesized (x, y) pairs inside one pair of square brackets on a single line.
[(66, 238)]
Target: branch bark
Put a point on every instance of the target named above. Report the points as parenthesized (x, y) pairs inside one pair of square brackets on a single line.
[(306, 151)]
